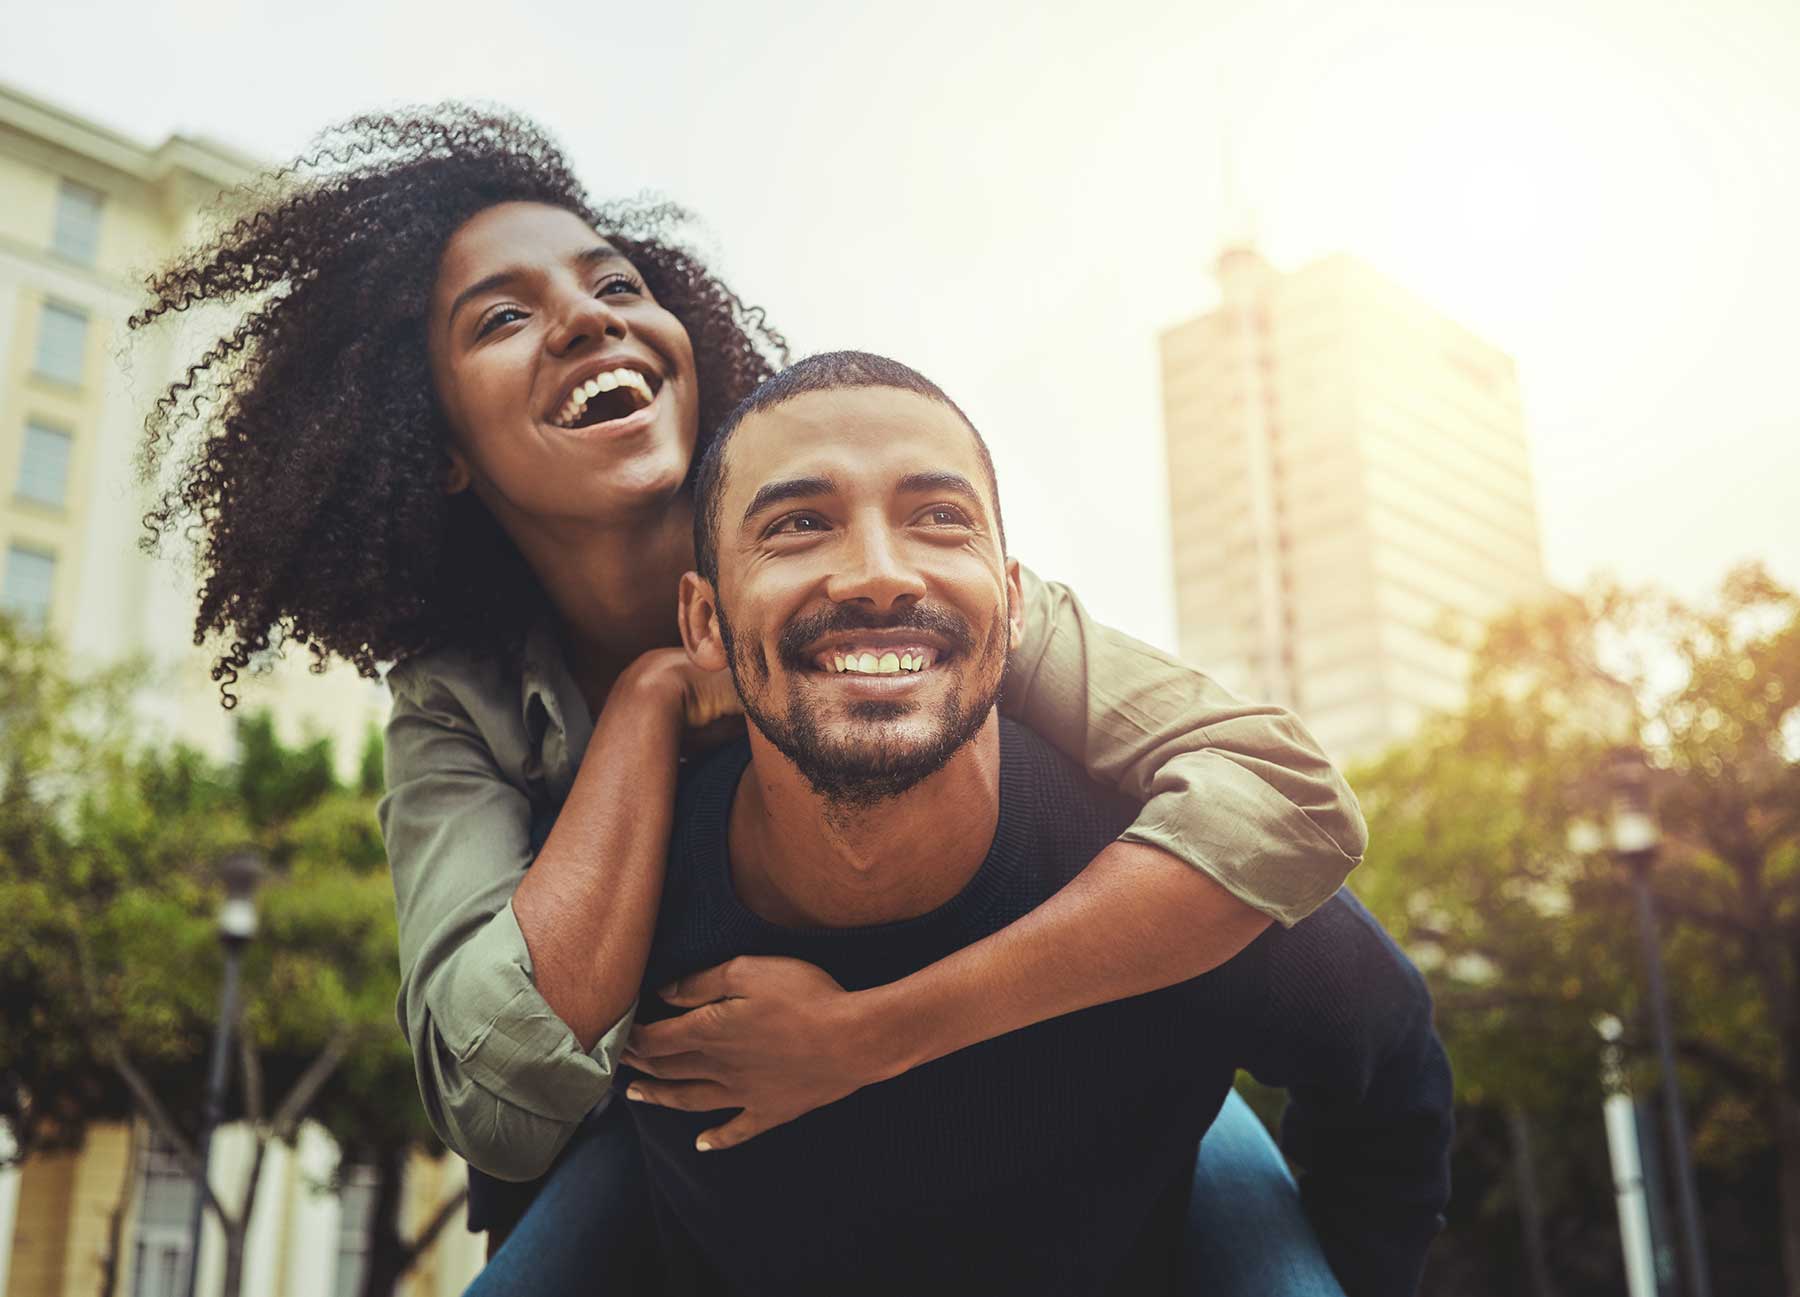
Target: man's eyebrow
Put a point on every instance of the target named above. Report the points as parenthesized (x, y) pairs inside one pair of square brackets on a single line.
[(954, 483), (790, 488), (586, 259)]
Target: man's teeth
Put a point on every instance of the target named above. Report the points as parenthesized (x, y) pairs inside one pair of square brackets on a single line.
[(883, 664), (629, 379)]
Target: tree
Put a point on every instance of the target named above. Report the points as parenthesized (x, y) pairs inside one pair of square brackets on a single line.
[(1526, 941), (110, 966)]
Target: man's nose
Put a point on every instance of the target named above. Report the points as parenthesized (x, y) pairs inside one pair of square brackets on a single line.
[(874, 572), (582, 320)]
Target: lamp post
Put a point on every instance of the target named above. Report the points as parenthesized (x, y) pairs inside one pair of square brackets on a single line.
[(241, 872), (1634, 837)]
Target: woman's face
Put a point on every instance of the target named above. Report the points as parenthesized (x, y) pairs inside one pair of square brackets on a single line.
[(570, 392)]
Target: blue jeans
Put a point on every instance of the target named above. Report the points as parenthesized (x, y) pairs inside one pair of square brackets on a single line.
[(590, 1229)]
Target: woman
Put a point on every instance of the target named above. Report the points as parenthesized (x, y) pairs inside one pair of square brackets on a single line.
[(395, 466)]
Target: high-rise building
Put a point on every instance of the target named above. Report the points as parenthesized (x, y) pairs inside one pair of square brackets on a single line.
[(1350, 491), (84, 212)]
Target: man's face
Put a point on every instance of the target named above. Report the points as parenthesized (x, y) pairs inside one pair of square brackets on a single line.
[(864, 604)]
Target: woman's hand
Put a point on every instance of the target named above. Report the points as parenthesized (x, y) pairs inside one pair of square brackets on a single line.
[(774, 1037), (706, 701)]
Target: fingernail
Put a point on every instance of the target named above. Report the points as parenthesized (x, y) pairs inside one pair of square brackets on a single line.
[(635, 1092), (703, 1144)]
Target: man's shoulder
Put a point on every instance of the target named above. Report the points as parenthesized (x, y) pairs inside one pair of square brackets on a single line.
[(705, 786), (1053, 794), (1342, 957)]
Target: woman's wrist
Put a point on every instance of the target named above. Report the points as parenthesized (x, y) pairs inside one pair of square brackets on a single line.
[(896, 1030)]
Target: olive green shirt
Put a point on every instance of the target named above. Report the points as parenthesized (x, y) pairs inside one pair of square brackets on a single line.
[(479, 760)]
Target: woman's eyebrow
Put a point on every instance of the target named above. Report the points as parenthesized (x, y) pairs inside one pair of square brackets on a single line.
[(589, 257)]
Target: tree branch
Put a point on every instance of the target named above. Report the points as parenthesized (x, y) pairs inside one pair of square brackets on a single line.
[(1728, 1068), (293, 1108), (250, 1065), (412, 1249), (158, 1117)]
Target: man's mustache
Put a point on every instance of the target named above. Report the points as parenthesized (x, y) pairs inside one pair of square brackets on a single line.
[(807, 630)]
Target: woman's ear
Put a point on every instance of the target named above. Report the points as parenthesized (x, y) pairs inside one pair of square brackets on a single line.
[(456, 473), (699, 616)]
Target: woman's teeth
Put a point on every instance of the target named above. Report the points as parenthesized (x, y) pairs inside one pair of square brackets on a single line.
[(880, 664), (628, 380)]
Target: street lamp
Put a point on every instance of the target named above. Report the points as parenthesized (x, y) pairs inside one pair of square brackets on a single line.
[(1634, 837), (241, 872)]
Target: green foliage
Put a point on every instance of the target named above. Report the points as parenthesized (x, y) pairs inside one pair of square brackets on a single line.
[(1526, 941), (107, 859)]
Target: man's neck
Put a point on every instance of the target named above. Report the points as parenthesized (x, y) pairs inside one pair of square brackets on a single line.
[(801, 861)]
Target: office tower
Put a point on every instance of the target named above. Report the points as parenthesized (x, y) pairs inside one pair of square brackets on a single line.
[(84, 213), (1349, 483)]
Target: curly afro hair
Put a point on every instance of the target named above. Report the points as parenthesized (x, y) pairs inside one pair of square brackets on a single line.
[(303, 451)]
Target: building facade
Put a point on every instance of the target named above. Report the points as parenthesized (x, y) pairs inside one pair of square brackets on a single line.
[(84, 213), (1351, 495)]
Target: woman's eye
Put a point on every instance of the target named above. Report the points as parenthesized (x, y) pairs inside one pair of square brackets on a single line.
[(797, 524), (614, 285), (492, 321)]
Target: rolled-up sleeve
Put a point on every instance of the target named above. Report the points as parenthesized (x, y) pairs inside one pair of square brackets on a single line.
[(1238, 790), (503, 1079)]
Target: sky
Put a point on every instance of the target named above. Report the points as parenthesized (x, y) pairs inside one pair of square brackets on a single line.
[(1016, 197)]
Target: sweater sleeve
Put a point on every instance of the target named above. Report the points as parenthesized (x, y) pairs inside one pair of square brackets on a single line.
[(1238, 790), (1342, 1020), (503, 1078)]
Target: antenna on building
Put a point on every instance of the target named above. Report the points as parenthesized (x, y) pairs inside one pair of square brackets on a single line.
[(1238, 221)]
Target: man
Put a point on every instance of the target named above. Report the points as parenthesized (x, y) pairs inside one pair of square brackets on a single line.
[(880, 816)]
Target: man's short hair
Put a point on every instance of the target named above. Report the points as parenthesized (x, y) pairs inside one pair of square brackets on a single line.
[(827, 372)]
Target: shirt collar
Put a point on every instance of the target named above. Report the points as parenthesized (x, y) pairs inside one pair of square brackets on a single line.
[(555, 715)]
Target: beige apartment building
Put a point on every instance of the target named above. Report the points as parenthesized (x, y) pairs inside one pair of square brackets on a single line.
[(1349, 483), (84, 212)]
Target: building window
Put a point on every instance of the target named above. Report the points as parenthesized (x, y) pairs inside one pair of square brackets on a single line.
[(77, 233), (44, 468), (25, 589), (165, 1212), (62, 342), (356, 1210)]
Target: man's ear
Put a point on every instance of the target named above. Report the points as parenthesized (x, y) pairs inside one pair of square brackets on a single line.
[(699, 616), (1015, 605), (456, 473)]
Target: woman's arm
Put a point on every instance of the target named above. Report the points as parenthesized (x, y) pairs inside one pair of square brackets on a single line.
[(1241, 810), (517, 984)]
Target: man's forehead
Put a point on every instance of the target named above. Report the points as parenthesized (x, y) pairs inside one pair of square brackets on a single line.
[(869, 437)]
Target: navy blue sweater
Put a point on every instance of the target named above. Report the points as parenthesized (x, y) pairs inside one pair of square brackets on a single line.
[(1056, 1159)]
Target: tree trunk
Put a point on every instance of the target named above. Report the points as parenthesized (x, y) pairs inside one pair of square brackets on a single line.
[(234, 1262), (1531, 1208), (389, 1257), (115, 1225), (1787, 1150)]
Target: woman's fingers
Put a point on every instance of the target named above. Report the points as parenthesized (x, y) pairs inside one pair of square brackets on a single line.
[(685, 1096), (740, 1128), (671, 1067)]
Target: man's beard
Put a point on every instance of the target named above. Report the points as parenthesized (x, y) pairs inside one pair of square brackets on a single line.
[(867, 767)]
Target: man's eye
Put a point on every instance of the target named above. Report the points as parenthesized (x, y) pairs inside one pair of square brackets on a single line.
[(800, 524), (493, 320), (945, 515)]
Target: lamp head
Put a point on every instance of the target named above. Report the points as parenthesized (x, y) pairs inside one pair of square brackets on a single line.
[(1633, 830), (242, 872)]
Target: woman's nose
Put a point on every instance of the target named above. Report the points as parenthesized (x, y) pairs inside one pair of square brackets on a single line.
[(584, 320)]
